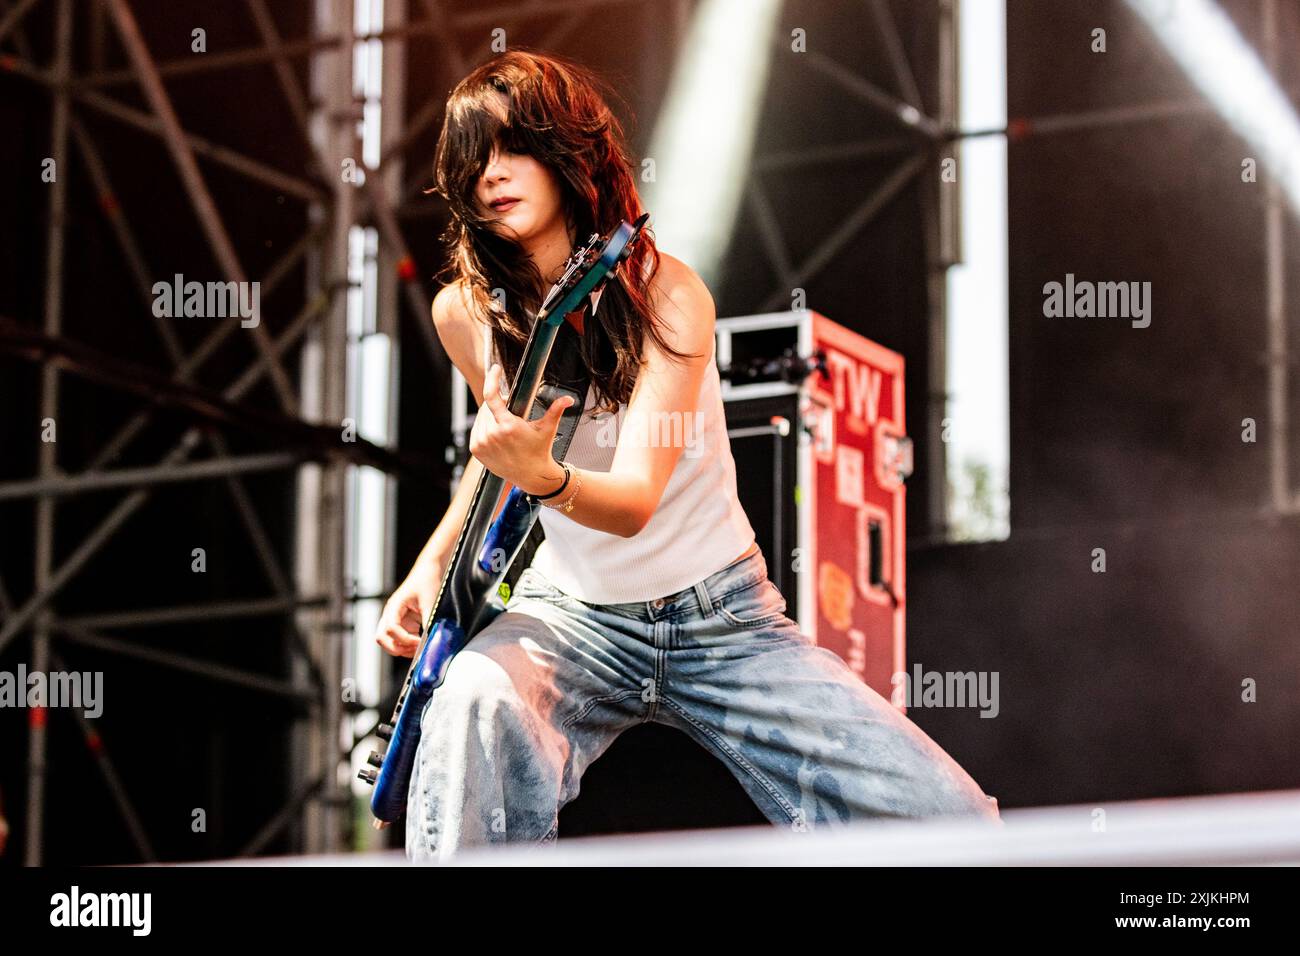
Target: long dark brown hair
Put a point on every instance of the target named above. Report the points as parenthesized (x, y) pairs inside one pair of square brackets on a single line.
[(557, 113)]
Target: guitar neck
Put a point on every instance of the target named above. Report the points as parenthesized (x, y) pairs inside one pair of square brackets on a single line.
[(487, 493), (462, 577)]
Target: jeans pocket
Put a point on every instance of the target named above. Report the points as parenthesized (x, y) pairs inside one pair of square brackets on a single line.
[(756, 605), (532, 585)]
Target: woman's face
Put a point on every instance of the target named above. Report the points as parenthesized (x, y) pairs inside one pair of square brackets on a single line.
[(538, 207)]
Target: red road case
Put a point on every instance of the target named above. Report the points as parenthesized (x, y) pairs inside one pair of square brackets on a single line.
[(846, 554)]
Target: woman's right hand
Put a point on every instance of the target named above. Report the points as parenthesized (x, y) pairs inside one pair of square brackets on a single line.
[(398, 631)]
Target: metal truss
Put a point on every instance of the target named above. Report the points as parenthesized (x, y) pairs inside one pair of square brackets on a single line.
[(315, 604), (924, 139), (923, 135), (313, 599)]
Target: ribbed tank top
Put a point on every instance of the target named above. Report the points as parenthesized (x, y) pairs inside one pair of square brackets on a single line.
[(698, 528)]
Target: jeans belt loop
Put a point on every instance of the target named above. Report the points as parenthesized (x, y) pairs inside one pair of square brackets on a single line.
[(706, 602)]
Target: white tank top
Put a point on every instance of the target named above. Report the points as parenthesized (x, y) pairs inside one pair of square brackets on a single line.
[(698, 528)]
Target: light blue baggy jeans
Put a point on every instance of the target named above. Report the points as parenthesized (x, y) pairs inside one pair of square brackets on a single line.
[(544, 689)]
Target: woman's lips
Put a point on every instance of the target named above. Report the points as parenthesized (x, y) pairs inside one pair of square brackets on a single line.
[(502, 207)]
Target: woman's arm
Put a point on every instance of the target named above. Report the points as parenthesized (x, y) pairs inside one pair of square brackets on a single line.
[(662, 407), (462, 338), (412, 602)]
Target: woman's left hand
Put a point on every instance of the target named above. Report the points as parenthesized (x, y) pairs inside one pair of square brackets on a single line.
[(513, 448)]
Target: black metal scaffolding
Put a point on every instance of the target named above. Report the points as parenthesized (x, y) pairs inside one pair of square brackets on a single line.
[(308, 348)]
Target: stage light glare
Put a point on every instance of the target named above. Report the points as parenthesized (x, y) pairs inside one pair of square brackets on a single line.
[(705, 130), (1207, 46)]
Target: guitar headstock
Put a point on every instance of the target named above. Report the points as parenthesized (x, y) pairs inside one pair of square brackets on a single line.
[(611, 250)]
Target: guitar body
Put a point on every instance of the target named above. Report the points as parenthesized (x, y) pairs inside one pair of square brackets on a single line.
[(389, 798), (489, 548)]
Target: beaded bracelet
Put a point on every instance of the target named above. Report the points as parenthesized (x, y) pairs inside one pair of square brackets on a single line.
[(566, 505)]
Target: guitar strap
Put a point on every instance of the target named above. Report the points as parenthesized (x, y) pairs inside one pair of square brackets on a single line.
[(565, 374)]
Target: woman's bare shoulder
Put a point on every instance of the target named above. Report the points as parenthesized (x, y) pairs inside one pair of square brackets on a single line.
[(684, 304), (461, 332), (453, 306)]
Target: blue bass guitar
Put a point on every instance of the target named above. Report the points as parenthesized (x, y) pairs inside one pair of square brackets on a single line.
[(486, 549)]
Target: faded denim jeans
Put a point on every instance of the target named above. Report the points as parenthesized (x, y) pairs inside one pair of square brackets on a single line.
[(548, 685)]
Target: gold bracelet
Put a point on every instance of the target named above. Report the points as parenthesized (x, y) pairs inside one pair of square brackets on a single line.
[(566, 505)]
